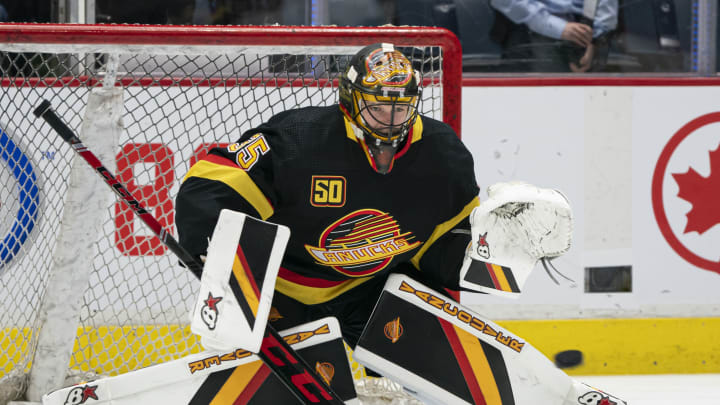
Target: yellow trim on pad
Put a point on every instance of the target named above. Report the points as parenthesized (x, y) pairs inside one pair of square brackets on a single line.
[(248, 291), (237, 383), (500, 276), (480, 366)]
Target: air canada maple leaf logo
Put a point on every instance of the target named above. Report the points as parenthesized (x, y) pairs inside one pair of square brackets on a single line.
[(703, 193), (681, 178)]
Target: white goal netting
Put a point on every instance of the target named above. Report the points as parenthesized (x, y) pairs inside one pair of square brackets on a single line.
[(149, 101)]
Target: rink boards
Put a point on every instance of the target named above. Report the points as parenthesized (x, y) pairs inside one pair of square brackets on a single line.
[(604, 147)]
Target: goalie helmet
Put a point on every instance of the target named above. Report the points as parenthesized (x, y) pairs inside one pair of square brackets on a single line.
[(379, 94)]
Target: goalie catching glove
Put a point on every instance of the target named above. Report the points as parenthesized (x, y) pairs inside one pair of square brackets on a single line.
[(515, 227)]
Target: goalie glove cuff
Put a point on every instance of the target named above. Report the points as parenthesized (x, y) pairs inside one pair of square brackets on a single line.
[(514, 228)]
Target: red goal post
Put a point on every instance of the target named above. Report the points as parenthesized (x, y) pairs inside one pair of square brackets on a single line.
[(85, 289)]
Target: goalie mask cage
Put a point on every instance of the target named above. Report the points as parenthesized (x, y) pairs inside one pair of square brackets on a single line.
[(85, 288)]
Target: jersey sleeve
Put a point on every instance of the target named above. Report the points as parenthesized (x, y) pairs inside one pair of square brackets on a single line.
[(237, 177), (441, 256)]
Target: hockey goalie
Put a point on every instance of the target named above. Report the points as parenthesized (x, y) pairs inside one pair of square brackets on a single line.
[(439, 350), (443, 352), (370, 187)]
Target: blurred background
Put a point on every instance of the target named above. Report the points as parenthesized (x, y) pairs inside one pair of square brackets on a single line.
[(646, 36)]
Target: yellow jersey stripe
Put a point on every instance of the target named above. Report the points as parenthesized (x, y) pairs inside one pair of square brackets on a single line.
[(442, 229), (238, 180)]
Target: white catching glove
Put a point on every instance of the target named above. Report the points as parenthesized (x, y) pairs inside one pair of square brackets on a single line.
[(514, 228)]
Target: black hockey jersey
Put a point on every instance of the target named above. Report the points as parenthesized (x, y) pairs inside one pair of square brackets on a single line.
[(305, 169)]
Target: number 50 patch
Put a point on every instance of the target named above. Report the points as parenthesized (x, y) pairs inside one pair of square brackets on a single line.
[(328, 191)]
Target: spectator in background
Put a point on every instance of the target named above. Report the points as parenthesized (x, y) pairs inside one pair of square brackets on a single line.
[(555, 35), (3, 14)]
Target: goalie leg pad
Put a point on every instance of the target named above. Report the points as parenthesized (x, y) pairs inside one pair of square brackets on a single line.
[(224, 377), (446, 353)]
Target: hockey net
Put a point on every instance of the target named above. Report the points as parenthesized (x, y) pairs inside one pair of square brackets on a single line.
[(149, 100)]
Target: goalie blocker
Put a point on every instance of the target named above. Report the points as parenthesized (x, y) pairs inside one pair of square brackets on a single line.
[(443, 353), (238, 281), (223, 377)]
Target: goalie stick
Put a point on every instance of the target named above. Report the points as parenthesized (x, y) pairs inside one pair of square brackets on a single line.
[(295, 373)]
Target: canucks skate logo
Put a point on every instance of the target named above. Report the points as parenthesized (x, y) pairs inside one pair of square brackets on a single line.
[(209, 312), (325, 370), (361, 243), (393, 330), (274, 315), (595, 398), (483, 249)]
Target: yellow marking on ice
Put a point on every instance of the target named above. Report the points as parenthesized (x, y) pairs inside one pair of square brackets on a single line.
[(628, 346), (112, 350), (609, 346), (14, 348)]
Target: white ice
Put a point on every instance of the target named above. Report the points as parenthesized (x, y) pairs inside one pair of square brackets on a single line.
[(662, 389)]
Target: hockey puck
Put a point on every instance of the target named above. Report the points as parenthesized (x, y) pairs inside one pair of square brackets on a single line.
[(568, 358)]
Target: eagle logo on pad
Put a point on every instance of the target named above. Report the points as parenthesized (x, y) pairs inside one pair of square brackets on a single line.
[(361, 243)]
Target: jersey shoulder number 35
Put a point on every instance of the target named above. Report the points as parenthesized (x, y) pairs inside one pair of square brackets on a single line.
[(249, 151)]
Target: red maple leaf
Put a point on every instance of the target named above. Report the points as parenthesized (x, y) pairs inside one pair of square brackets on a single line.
[(703, 193)]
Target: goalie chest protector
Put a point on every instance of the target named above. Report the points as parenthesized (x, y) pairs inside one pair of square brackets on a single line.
[(347, 222)]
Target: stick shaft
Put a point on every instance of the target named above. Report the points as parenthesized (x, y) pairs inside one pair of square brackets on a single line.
[(295, 373)]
